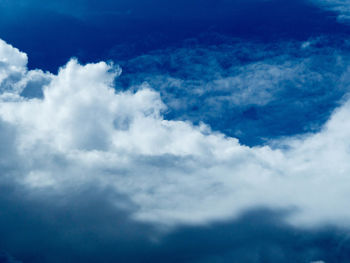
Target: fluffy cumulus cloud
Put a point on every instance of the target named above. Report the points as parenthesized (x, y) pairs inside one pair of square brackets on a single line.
[(14, 76), (81, 131)]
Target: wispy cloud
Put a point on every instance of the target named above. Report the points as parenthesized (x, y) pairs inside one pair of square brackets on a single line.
[(342, 7), (252, 86)]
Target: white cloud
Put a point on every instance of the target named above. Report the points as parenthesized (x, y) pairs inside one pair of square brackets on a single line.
[(14, 76), (82, 131)]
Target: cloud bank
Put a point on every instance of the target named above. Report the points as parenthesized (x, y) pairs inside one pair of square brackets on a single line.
[(81, 131)]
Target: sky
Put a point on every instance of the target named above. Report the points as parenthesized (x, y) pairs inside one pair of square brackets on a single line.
[(174, 131)]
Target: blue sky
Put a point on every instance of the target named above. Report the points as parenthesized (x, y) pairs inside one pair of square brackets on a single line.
[(174, 131)]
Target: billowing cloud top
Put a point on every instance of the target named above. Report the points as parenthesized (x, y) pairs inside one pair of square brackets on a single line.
[(81, 131)]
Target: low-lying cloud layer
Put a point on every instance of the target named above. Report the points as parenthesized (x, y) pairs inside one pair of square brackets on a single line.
[(82, 132)]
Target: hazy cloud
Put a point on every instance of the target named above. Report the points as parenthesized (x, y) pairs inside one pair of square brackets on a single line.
[(342, 7)]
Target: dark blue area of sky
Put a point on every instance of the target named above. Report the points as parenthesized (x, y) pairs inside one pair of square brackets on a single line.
[(52, 33)]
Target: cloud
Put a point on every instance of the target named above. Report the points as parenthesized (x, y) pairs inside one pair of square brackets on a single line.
[(342, 7), (14, 76), (84, 226), (82, 132)]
